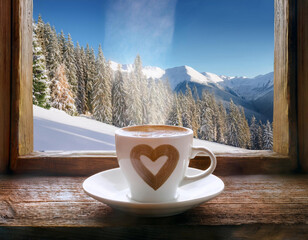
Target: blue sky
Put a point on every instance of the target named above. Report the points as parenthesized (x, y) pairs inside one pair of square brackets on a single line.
[(220, 36)]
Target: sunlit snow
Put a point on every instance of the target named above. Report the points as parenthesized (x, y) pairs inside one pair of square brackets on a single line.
[(54, 130)]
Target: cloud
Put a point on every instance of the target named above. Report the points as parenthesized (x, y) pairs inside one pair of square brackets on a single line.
[(139, 26)]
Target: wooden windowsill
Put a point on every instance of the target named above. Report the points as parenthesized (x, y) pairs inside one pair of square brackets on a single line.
[(47, 207), (83, 163)]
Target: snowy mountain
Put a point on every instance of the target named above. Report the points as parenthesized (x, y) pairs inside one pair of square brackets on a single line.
[(181, 74), (174, 75), (148, 71), (153, 72), (250, 88), (224, 97), (255, 95), (258, 90), (213, 77)]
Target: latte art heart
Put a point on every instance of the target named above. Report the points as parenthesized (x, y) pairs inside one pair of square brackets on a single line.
[(154, 181)]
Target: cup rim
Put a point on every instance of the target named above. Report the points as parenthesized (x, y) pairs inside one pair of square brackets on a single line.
[(186, 131)]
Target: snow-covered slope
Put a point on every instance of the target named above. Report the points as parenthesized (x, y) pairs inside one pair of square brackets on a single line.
[(213, 77), (54, 130)]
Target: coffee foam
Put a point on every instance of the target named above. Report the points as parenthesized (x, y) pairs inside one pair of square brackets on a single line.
[(153, 131)]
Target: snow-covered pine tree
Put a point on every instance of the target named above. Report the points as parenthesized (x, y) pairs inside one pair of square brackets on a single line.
[(193, 112), (119, 107), (153, 115), (85, 64), (267, 136), (40, 34), (182, 107), (206, 130), (162, 98), (189, 111), (53, 58), (62, 45), (215, 110), (102, 101), (61, 96), (134, 104), (260, 135), (134, 99), (71, 65), (221, 123), (142, 82), (40, 89), (232, 125), (168, 100), (185, 105), (197, 108), (80, 100), (109, 82), (175, 113), (186, 120), (90, 73), (254, 143), (243, 131)]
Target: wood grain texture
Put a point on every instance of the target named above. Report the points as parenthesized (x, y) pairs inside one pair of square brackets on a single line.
[(285, 120), (83, 163), (265, 205), (21, 107), (302, 76), (5, 79)]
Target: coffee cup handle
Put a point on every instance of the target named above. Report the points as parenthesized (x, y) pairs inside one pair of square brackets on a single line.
[(208, 171)]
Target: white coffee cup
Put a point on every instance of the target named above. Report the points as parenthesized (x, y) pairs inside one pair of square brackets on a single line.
[(154, 160)]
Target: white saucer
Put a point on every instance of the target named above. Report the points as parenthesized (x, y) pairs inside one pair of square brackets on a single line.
[(110, 187)]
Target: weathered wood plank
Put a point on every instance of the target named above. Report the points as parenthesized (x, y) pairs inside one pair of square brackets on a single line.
[(83, 163), (302, 76), (98, 215), (21, 107), (285, 119), (251, 207), (5, 79), (60, 201)]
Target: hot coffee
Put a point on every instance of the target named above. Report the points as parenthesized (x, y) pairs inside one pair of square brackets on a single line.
[(139, 152), (153, 131)]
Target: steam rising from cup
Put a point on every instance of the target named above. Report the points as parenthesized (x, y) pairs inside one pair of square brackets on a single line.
[(143, 27)]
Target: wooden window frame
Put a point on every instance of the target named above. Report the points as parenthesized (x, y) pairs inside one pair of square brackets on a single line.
[(16, 113)]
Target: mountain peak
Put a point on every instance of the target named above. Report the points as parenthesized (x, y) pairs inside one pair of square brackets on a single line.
[(148, 71), (250, 88), (185, 73)]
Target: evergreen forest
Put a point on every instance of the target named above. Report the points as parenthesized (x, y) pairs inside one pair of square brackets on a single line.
[(74, 79)]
